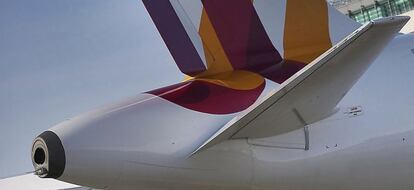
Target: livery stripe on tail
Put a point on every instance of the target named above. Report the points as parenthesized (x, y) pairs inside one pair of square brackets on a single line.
[(241, 34), (175, 36), (306, 30), (211, 37), (217, 60)]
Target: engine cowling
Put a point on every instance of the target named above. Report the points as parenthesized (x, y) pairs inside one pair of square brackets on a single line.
[(142, 142)]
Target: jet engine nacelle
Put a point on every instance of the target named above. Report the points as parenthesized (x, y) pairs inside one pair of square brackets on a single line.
[(142, 142)]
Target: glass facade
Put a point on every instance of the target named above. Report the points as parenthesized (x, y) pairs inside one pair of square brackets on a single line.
[(381, 9)]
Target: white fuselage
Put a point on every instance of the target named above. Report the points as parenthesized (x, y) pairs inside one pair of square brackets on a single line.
[(368, 143)]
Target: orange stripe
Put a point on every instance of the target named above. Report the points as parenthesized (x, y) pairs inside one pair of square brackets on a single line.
[(219, 69), (306, 32), (238, 80), (217, 60)]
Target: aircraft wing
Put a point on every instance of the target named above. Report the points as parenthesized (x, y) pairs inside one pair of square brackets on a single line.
[(33, 182), (313, 93)]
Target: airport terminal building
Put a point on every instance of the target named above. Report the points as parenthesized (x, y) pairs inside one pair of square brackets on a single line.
[(365, 10)]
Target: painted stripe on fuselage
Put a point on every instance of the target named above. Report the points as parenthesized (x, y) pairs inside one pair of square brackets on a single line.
[(206, 97)]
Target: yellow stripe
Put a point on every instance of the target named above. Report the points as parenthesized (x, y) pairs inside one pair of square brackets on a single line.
[(239, 80), (219, 69), (216, 58), (306, 32)]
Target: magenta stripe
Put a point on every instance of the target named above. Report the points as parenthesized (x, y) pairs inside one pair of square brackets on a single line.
[(242, 34), (279, 73), (175, 36), (208, 97)]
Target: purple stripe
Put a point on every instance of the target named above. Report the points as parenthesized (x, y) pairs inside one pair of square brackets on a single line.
[(175, 37), (242, 34), (279, 73)]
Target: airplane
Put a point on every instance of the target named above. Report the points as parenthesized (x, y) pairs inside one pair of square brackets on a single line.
[(277, 94)]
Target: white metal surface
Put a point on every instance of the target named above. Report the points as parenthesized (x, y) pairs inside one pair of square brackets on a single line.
[(33, 182), (409, 27), (313, 92)]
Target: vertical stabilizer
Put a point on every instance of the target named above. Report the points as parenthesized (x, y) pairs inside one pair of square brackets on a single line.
[(207, 37)]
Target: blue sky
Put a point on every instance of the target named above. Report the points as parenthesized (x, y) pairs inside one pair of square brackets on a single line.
[(62, 58)]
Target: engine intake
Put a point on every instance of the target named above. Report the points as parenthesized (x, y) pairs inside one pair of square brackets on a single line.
[(48, 155)]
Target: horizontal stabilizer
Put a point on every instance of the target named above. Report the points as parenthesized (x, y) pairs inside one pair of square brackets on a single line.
[(313, 93)]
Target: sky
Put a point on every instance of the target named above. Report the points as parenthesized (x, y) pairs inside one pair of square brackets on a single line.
[(62, 58)]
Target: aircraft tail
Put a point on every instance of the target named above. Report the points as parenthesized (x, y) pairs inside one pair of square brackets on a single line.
[(207, 37)]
